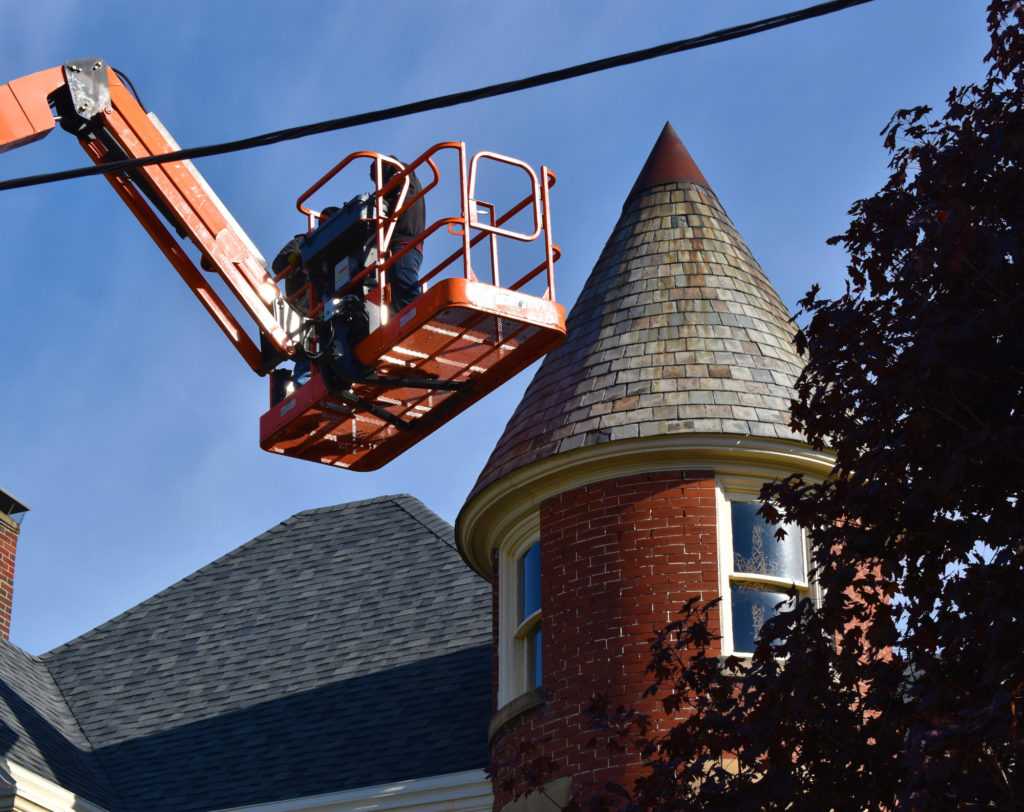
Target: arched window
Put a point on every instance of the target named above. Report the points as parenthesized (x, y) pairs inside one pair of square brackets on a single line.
[(520, 632)]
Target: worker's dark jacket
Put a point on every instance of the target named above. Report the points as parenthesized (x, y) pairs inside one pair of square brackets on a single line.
[(297, 278), (414, 219)]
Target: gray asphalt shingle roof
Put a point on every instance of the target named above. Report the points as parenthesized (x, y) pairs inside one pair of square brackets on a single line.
[(677, 330), (346, 647), (37, 729)]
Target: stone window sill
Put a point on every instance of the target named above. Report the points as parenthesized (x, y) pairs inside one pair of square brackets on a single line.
[(514, 709)]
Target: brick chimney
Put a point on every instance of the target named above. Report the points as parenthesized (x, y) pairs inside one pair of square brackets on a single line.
[(12, 512)]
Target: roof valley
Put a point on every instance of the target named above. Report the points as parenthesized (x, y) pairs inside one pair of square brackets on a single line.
[(110, 796)]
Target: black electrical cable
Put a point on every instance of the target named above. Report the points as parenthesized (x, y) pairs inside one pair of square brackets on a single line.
[(440, 102), (124, 78)]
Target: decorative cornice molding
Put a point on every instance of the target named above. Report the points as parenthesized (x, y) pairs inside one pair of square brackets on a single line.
[(489, 515), (468, 791)]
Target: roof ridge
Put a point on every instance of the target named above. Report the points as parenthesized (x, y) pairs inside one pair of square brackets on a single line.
[(360, 503), (355, 503), (419, 510), (399, 502), (56, 650), (20, 650)]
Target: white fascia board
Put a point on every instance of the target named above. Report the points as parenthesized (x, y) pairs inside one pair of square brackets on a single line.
[(468, 791), (45, 793)]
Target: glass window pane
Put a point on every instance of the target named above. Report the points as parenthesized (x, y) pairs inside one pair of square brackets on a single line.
[(534, 657), (756, 550), (751, 607), (529, 582)]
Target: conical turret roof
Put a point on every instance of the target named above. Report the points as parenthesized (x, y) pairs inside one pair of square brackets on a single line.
[(677, 330)]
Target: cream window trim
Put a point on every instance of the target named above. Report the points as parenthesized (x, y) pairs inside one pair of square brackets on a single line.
[(33, 793), (745, 489), (487, 518), (527, 625), (468, 791), (512, 634), (523, 654), (768, 580)]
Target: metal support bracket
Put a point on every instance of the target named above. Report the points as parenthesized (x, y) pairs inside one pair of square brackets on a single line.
[(89, 86), (362, 403), (415, 383)]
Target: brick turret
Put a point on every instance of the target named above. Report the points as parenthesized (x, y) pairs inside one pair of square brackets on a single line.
[(638, 444)]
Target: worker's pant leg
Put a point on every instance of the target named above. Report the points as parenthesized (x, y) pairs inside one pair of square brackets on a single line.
[(405, 279), (301, 372)]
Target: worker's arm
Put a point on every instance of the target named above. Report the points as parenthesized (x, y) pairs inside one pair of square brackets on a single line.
[(289, 255)]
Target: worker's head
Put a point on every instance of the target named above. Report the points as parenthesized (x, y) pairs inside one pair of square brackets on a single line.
[(387, 171), (328, 213)]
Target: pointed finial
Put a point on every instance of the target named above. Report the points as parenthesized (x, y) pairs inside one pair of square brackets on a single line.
[(669, 161)]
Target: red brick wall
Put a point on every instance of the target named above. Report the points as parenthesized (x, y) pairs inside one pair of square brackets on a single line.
[(619, 559), (8, 548)]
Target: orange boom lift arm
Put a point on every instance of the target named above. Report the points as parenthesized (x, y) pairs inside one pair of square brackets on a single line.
[(459, 340), (93, 103)]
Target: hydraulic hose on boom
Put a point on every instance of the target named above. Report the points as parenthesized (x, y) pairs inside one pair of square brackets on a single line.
[(410, 371)]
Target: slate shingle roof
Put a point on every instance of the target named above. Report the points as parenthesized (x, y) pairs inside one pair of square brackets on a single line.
[(346, 647), (677, 330)]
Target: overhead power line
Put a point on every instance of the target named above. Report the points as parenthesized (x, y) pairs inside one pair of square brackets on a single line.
[(449, 100)]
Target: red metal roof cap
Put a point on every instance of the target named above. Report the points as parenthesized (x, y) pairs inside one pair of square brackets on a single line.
[(668, 162)]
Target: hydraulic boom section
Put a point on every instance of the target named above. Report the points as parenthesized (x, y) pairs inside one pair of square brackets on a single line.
[(371, 377), (92, 102)]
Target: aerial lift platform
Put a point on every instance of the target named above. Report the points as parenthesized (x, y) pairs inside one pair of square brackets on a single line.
[(415, 369)]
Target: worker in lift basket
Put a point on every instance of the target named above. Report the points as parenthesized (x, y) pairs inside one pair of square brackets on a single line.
[(404, 275), (294, 282)]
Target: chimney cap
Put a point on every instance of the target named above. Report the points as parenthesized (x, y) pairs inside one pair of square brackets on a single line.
[(12, 506)]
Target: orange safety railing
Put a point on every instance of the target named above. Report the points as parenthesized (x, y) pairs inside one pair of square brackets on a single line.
[(460, 339), (477, 220), (461, 225)]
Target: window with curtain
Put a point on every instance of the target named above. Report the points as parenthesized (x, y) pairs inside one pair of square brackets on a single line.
[(764, 567)]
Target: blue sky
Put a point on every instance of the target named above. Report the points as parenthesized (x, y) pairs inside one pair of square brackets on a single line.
[(131, 426)]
